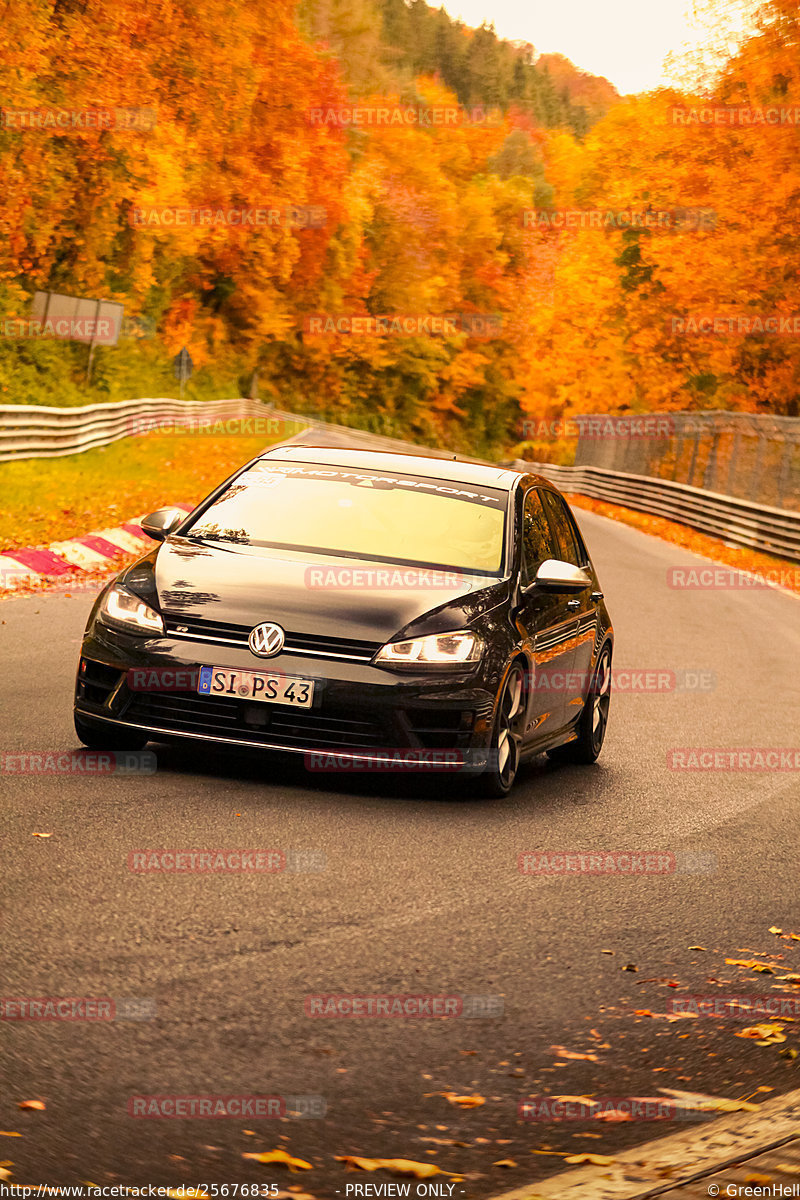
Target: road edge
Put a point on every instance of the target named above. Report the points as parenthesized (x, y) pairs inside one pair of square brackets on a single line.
[(692, 1153)]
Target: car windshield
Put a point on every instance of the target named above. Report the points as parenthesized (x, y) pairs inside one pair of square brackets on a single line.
[(361, 514)]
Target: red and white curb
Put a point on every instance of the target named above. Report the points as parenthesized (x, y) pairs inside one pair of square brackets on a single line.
[(68, 560)]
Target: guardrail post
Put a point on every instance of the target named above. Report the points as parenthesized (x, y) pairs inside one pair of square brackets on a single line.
[(693, 460), (711, 464), (758, 466), (784, 469), (730, 482)]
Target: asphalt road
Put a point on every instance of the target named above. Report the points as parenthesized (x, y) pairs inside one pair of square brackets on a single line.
[(421, 893)]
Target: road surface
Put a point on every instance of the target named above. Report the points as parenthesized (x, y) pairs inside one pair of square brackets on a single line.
[(421, 894)]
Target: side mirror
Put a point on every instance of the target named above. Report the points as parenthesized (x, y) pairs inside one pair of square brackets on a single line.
[(160, 524), (554, 575)]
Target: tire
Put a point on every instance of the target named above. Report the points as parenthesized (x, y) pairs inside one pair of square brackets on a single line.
[(98, 737), (498, 778), (594, 718)]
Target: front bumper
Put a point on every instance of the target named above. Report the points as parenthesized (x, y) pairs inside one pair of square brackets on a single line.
[(359, 710)]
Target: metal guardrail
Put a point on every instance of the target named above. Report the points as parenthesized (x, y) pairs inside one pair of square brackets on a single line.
[(753, 456), (36, 431), (33, 431), (737, 521)]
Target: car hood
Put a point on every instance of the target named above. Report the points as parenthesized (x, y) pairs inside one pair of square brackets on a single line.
[(321, 594)]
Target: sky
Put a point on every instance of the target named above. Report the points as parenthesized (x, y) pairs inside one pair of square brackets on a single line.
[(625, 40)]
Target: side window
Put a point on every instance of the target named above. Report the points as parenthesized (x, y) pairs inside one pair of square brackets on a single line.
[(537, 541), (569, 550)]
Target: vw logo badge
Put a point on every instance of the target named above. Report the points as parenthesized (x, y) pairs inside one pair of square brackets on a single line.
[(266, 639)]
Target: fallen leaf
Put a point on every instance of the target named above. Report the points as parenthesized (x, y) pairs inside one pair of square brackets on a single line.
[(9, 1133), (614, 1115), (630, 967), (751, 965), (572, 1054), (4, 1174), (398, 1166), (463, 1101), (280, 1156), (595, 1160), (45, 835), (774, 929), (38, 1105), (697, 947), (505, 1162), (770, 1032), (576, 1100), (703, 1103)]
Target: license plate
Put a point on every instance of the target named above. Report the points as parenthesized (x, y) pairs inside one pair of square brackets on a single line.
[(256, 685)]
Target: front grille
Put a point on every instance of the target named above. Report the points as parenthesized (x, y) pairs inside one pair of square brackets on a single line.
[(96, 681), (312, 644), (266, 724)]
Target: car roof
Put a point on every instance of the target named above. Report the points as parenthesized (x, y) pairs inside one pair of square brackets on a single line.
[(430, 465)]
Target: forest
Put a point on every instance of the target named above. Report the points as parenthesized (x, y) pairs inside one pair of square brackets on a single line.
[(513, 242)]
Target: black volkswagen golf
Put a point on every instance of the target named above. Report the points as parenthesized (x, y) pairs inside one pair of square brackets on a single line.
[(365, 610)]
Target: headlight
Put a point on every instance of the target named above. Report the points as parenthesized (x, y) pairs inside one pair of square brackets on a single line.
[(122, 608), (461, 647)]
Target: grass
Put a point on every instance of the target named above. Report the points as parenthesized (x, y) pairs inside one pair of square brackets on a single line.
[(44, 500)]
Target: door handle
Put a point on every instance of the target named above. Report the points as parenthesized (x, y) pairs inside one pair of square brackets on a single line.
[(573, 605)]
